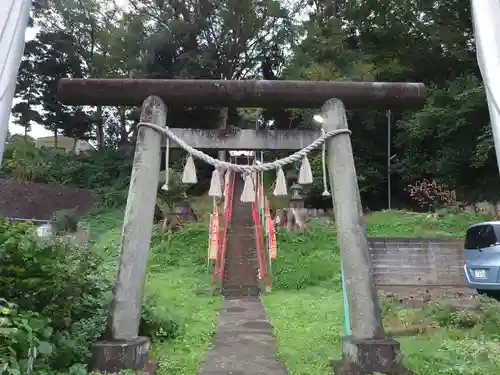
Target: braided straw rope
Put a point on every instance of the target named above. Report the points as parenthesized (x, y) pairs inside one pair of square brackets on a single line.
[(297, 156)]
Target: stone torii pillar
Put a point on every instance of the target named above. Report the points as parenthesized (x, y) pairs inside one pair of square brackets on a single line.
[(368, 350)]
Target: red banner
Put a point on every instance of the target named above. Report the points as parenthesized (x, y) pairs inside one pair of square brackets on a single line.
[(273, 246), (214, 233)]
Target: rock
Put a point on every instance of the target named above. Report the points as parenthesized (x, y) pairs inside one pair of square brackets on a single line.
[(44, 230), (183, 210)]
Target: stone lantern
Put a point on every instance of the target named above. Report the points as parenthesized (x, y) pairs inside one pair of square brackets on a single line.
[(296, 200)]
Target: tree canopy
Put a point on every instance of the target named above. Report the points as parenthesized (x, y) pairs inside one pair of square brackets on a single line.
[(428, 41)]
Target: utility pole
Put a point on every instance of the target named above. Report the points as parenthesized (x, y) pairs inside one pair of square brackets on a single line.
[(388, 114)]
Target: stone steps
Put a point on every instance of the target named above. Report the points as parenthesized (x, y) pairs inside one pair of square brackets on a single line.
[(240, 269)]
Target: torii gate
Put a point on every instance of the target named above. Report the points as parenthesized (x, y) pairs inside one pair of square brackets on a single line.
[(367, 349), (367, 325)]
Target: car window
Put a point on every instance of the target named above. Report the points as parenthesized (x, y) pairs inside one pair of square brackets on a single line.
[(480, 237)]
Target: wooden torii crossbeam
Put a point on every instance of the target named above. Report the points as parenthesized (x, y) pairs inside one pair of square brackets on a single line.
[(244, 93), (367, 350)]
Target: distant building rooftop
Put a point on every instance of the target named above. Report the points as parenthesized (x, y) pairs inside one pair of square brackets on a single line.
[(241, 153), (67, 144)]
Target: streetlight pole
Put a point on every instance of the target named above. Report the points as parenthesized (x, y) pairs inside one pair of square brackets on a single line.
[(388, 114)]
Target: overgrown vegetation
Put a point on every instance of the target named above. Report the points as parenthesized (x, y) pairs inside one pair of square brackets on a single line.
[(455, 337), (449, 139), (55, 300), (176, 277), (181, 322), (55, 296), (106, 172), (375, 40), (310, 257), (309, 321)]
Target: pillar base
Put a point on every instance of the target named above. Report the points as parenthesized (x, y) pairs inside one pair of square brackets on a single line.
[(110, 357), (368, 356)]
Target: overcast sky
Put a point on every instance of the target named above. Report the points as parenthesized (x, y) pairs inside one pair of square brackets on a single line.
[(37, 130)]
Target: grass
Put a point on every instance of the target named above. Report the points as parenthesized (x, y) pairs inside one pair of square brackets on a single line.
[(202, 206), (307, 309), (175, 278), (413, 224), (311, 257), (451, 353), (178, 290), (309, 325)]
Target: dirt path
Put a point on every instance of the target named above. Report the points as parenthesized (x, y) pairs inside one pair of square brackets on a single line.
[(244, 343)]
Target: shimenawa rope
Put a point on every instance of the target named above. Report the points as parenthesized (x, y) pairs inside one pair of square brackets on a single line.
[(297, 156)]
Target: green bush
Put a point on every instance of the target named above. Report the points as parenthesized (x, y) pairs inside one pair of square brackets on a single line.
[(306, 258), (55, 299), (107, 172), (24, 339), (37, 271), (58, 282), (65, 221), (112, 196), (158, 322)]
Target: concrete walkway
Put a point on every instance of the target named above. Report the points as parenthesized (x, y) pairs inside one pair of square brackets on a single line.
[(244, 343)]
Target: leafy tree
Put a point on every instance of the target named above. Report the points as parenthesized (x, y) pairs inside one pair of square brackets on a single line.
[(48, 58), (428, 41), (324, 54), (384, 40), (217, 39), (24, 115), (450, 139), (423, 41), (103, 39)]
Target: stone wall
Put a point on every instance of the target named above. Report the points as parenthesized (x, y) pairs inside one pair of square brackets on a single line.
[(484, 207), (418, 268)]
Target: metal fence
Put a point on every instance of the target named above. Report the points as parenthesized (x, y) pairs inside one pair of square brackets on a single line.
[(34, 221)]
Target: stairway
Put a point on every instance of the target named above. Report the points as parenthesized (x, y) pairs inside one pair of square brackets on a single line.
[(241, 265)]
